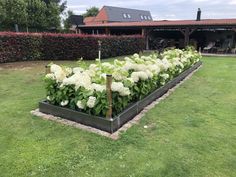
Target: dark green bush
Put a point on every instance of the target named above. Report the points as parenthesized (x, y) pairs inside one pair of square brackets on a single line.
[(46, 46)]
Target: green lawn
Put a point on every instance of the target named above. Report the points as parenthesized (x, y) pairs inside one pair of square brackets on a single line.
[(192, 132)]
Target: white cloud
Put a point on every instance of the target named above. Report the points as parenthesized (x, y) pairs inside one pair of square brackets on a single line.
[(232, 2), (164, 9)]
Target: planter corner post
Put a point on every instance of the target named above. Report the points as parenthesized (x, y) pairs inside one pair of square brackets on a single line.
[(47, 69), (109, 95)]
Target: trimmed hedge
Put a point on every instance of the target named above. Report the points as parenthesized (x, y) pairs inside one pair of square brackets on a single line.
[(46, 46)]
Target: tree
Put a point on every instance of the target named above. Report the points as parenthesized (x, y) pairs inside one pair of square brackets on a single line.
[(2, 11), (54, 9), (61, 4), (36, 10), (39, 14), (91, 12), (16, 12), (53, 19), (67, 21)]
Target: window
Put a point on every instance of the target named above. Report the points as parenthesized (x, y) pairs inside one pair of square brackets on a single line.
[(149, 18), (128, 15), (124, 15), (145, 17), (141, 17)]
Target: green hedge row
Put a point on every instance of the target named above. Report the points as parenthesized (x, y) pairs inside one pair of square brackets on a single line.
[(46, 46)]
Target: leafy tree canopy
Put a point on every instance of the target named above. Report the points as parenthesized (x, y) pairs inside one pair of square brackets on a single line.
[(91, 12), (39, 14), (67, 21)]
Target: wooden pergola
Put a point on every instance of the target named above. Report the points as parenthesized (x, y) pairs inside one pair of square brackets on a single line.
[(186, 27)]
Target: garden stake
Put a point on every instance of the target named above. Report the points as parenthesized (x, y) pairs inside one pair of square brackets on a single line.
[(99, 49), (47, 69), (109, 95)]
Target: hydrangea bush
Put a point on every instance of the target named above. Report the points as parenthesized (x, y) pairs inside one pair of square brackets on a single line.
[(83, 88)]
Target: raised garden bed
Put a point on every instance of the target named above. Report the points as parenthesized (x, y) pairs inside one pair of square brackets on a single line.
[(113, 124)]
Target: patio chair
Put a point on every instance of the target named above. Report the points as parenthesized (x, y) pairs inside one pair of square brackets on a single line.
[(209, 47), (225, 47), (233, 51)]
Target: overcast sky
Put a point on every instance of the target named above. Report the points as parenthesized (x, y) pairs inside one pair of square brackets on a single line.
[(165, 9)]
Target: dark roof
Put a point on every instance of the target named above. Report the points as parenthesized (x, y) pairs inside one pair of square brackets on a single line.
[(76, 19), (166, 23), (118, 14)]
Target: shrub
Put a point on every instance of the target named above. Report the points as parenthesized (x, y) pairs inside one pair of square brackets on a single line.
[(47, 46), (84, 88), (19, 47)]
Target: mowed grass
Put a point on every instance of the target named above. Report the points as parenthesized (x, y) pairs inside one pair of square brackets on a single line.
[(191, 133)]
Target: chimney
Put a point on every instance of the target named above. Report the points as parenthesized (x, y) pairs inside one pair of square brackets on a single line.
[(199, 14)]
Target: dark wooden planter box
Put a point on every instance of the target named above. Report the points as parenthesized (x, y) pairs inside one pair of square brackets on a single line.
[(113, 124)]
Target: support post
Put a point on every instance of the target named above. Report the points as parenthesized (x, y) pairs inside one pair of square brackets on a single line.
[(187, 32), (47, 69), (186, 37), (107, 31), (109, 95), (143, 32), (147, 42), (145, 35)]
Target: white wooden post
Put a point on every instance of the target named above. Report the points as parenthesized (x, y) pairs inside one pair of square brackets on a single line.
[(99, 49)]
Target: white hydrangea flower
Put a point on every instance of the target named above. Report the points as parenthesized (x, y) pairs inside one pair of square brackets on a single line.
[(165, 76), (118, 63), (149, 74), (166, 64), (125, 91), (55, 68), (84, 80), (68, 71), (130, 80), (181, 65), (91, 73), (50, 76), (136, 55), (119, 74), (140, 67), (127, 58), (116, 86), (49, 98), (119, 87), (98, 87), (108, 65), (60, 76), (77, 69), (80, 104), (155, 68), (143, 75), (91, 101), (70, 80), (64, 103), (103, 76), (58, 72), (128, 66), (93, 67), (135, 76)]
